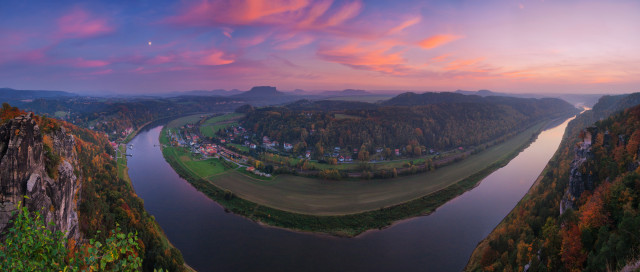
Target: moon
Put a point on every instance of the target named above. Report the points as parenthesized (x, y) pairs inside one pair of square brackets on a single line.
[(149, 42)]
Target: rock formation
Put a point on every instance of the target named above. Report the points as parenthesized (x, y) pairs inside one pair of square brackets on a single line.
[(579, 181), (24, 178)]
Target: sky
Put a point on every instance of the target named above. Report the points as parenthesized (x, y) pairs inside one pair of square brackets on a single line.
[(130, 47)]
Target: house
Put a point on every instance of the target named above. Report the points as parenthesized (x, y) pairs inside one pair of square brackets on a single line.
[(337, 148), (251, 168), (252, 146), (379, 150), (223, 141), (461, 148), (341, 159), (348, 159), (288, 146), (397, 152), (307, 154)]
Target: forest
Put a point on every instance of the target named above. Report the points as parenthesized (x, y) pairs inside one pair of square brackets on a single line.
[(462, 121), (598, 191)]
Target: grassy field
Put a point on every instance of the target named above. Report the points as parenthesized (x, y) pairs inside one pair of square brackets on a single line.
[(223, 118), (240, 147), (123, 170), (323, 197), (60, 114), (190, 119), (213, 124)]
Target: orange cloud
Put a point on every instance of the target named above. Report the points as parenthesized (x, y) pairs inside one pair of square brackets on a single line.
[(363, 58), (214, 58), (462, 64), (438, 40), (441, 58)]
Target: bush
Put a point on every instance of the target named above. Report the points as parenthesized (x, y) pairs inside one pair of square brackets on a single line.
[(30, 246)]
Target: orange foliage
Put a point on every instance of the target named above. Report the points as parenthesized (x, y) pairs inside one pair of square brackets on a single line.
[(632, 146), (594, 214), (572, 253)]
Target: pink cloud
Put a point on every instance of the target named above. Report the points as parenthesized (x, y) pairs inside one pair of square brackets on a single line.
[(402, 26), (79, 23), (345, 13), (101, 72), (227, 32), (161, 59), (235, 12), (295, 43), (83, 63), (438, 40)]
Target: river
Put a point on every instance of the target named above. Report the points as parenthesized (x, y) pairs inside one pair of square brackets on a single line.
[(213, 240)]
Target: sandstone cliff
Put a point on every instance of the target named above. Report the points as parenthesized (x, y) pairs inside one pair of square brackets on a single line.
[(24, 177), (580, 178)]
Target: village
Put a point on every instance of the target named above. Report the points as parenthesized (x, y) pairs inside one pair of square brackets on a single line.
[(228, 140)]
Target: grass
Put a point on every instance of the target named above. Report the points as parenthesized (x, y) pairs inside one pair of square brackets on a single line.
[(60, 114), (213, 124), (123, 170), (223, 118), (190, 119), (240, 147), (210, 130), (348, 208)]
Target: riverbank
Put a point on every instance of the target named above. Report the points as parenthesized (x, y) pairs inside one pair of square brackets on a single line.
[(343, 224), (123, 173)]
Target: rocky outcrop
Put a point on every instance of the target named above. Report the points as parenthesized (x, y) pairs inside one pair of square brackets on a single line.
[(579, 179), (24, 177)]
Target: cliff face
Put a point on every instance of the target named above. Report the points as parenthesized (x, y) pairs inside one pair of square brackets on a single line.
[(580, 178), (24, 177)]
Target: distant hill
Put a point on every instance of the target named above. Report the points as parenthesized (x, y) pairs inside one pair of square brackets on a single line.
[(411, 99), (260, 92), (573, 98), (11, 95), (347, 92), (217, 92), (481, 93), (330, 105)]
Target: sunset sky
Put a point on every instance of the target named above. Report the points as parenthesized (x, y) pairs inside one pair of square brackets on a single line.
[(156, 46)]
